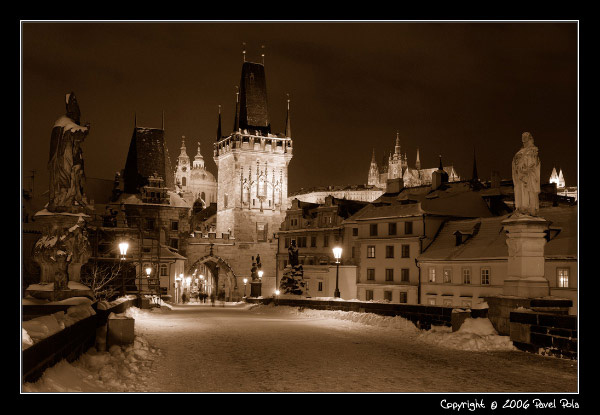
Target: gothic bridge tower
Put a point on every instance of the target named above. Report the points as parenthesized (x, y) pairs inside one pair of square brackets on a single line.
[(252, 165)]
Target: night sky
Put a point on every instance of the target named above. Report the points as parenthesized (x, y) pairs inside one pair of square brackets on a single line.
[(446, 87)]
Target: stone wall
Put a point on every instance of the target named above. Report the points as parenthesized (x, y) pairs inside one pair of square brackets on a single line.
[(544, 332), (423, 316)]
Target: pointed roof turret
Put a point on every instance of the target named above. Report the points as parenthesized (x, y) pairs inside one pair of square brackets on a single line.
[(288, 121), (373, 157), (198, 159), (219, 135), (561, 179), (441, 167), (418, 162), (236, 120), (397, 147), (254, 112)]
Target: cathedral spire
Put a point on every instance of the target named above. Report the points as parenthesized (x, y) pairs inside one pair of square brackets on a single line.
[(219, 126), (418, 162), (163, 120), (373, 157), (397, 147), (441, 166), (244, 51), (288, 121)]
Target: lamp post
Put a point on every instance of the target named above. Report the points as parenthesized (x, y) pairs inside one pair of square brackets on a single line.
[(337, 253), (277, 292), (260, 274), (245, 282), (123, 246)]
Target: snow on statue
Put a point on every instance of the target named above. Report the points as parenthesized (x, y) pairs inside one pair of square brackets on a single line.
[(65, 163), (526, 177), (292, 281)]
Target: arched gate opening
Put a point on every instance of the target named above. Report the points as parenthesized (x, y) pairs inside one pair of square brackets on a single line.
[(213, 275)]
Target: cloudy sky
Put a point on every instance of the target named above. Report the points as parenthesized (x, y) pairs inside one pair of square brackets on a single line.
[(446, 87)]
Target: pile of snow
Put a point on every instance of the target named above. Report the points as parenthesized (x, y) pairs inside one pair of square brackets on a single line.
[(121, 369), (475, 334), (368, 319), (39, 328), (107, 305), (72, 285)]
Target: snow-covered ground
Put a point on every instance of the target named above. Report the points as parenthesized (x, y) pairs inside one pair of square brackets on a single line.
[(250, 348)]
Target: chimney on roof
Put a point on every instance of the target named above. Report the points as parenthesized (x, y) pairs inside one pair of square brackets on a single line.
[(394, 185)]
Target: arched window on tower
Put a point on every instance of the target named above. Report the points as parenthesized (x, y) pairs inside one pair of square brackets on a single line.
[(183, 181), (261, 187)]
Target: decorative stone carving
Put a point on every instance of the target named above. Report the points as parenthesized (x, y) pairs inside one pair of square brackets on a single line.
[(526, 177)]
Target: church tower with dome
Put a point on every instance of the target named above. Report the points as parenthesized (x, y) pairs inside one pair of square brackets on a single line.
[(194, 183)]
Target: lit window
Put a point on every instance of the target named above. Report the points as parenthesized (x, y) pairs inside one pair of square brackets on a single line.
[(371, 251), (164, 270), (485, 276), (447, 275), (563, 277), (431, 274), (466, 275)]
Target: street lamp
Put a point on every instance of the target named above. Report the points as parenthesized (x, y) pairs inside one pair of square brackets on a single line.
[(123, 246), (337, 253), (260, 274), (245, 282), (148, 272), (277, 292)]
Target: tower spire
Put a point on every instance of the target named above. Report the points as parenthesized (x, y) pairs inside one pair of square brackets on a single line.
[(373, 157), (288, 121), (262, 55), (475, 176), (236, 120), (219, 126), (397, 148), (418, 162), (441, 166), (244, 51), (163, 120)]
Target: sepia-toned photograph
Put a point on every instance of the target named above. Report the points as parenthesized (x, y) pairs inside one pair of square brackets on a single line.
[(340, 207)]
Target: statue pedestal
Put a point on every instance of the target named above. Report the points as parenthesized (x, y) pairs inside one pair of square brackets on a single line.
[(255, 289), (526, 238), (60, 253)]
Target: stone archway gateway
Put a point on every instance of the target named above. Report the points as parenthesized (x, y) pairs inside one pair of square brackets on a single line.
[(222, 278)]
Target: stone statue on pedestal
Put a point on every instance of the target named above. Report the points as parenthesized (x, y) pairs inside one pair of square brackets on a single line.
[(526, 177), (64, 246), (67, 177)]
